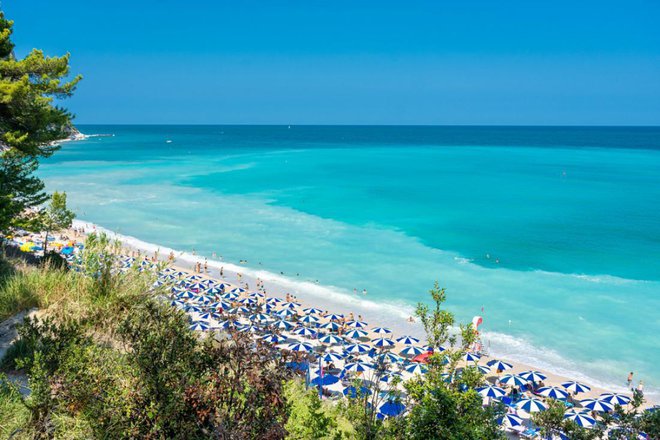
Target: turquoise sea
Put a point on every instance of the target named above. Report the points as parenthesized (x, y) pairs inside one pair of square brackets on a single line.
[(555, 232)]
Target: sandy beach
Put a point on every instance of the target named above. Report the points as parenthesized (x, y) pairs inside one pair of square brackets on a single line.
[(280, 287)]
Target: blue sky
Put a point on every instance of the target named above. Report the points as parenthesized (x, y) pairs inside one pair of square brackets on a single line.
[(354, 62)]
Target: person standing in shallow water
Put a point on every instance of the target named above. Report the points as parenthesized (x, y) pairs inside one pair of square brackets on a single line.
[(630, 379)]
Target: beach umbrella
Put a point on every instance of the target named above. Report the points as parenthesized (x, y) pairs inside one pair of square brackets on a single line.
[(510, 420), (597, 405), (190, 308), (531, 405), (259, 317), (208, 281), (273, 301), (357, 324), (553, 392), (335, 317), (185, 295), (330, 326), (411, 350), (352, 392), (210, 315), (332, 357), (283, 325), (408, 340), (389, 377), (416, 369), (241, 309), (326, 379), (273, 339), (483, 369), (228, 323), (194, 277), (196, 286), (533, 376), (214, 291), (285, 313), (381, 330), (177, 303), (357, 348), (247, 301), (304, 331), (575, 387), (498, 365), (357, 367), (237, 290), (331, 339), (309, 319), (229, 296), (383, 342), (389, 357), (199, 325), (178, 274), (580, 418), (512, 380), (248, 328), (256, 295), (312, 311), (300, 346), (391, 408), (491, 391), (615, 398), (355, 334), (290, 305), (471, 357)]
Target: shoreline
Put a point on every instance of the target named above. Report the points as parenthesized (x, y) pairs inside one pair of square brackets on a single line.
[(324, 297)]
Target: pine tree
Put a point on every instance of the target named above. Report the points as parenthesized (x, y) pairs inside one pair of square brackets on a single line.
[(30, 121)]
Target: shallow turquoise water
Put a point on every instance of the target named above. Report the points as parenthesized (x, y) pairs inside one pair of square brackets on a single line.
[(555, 232)]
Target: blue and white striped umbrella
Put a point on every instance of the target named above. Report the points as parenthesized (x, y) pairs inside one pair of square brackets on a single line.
[(259, 317), (357, 324), (208, 282), (199, 325), (283, 325), (510, 420), (580, 418), (309, 319), (356, 367), (237, 290), (597, 405), (229, 323), (304, 331), (553, 392), (177, 303), (190, 308), (483, 369), (381, 331), (383, 342), (214, 291), (411, 350), (256, 295), (331, 326), (491, 391), (575, 387), (210, 315), (273, 339), (416, 369), (531, 405), (353, 392), (197, 286), (273, 301), (391, 409), (512, 380), (471, 357), (408, 340), (185, 295), (357, 348), (332, 357), (498, 365), (355, 334), (312, 311), (331, 339), (335, 317), (389, 377), (615, 398), (249, 329), (389, 357), (285, 313), (290, 305), (533, 376), (240, 309), (194, 277), (300, 346), (229, 296), (247, 301)]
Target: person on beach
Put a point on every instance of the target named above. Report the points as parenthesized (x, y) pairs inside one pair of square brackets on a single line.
[(206, 266), (170, 257), (193, 251), (222, 271), (640, 388), (364, 292), (630, 379), (354, 290)]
